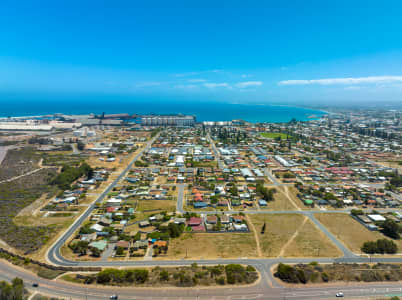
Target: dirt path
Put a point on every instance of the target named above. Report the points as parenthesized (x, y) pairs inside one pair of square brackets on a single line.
[(286, 193), (292, 238), (17, 177), (257, 240), (29, 173)]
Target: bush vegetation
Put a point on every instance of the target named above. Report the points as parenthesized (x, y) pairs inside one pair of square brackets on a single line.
[(13, 198), (380, 246), (15, 290), (315, 273), (265, 193), (180, 276), (69, 174)]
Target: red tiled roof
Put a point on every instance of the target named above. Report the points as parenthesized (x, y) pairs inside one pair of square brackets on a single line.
[(193, 221)]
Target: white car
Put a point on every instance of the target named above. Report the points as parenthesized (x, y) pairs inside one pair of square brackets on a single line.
[(339, 295)]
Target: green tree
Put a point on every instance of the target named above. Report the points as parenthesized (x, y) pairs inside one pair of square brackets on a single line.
[(119, 251), (96, 252), (391, 229), (13, 291)]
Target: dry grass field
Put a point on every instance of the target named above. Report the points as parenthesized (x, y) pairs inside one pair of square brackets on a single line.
[(292, 192), (162, 205), (291, 235), (281, 202), (311, 242), (349, 231), (211, 245), (279, 229)]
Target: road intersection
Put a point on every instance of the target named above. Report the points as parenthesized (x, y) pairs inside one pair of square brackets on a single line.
[(266, 288)]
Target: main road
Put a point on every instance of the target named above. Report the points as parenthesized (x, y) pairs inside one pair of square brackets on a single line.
[(266, 288)]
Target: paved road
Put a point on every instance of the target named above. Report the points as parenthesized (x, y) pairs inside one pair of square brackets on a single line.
[(262, 290), (346, 252), (268, 288), (218, 156), (272, 178), (53, 254)]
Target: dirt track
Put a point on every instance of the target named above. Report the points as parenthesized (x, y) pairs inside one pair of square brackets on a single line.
[(3, 152)]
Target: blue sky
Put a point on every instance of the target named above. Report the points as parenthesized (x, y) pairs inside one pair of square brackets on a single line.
[(298, 52)]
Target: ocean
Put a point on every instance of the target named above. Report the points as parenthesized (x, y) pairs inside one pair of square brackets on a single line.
[(204, 111)]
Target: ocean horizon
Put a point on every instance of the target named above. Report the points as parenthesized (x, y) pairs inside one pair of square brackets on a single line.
[(204, 111)]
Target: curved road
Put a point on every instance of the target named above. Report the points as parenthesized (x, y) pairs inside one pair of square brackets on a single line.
[(266, 288)]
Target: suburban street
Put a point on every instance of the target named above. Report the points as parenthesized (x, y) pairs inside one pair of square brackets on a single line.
[(266, 288), (200, 150)]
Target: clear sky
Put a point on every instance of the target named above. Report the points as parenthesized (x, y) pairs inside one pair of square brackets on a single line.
[(292, 51)]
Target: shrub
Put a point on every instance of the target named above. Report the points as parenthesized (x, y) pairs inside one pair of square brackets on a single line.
[(164, 275), (380, 246), (391, 229), (109, 276), (324, 277), (250, 269), (119, 251), (286, 273), (357, 212)]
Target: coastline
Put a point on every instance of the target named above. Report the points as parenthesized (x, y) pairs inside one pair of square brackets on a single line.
[(252, 113)]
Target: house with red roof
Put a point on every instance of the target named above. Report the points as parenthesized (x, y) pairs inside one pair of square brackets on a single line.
[(194, 221)]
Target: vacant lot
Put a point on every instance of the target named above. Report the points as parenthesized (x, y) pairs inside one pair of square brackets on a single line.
[(292, 192), (279, 229), (291, 235), (349, 231), (13, 198), (212, 245), (162, 205), (311, 242), (18, 162), (281, 202)]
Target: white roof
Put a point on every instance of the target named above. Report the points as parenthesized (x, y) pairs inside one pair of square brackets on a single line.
[(240, 226), (376, 218), (97, 227), (114, 200), (72, 198)]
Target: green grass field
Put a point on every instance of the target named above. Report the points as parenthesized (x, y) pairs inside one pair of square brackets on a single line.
[(273, 135)]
